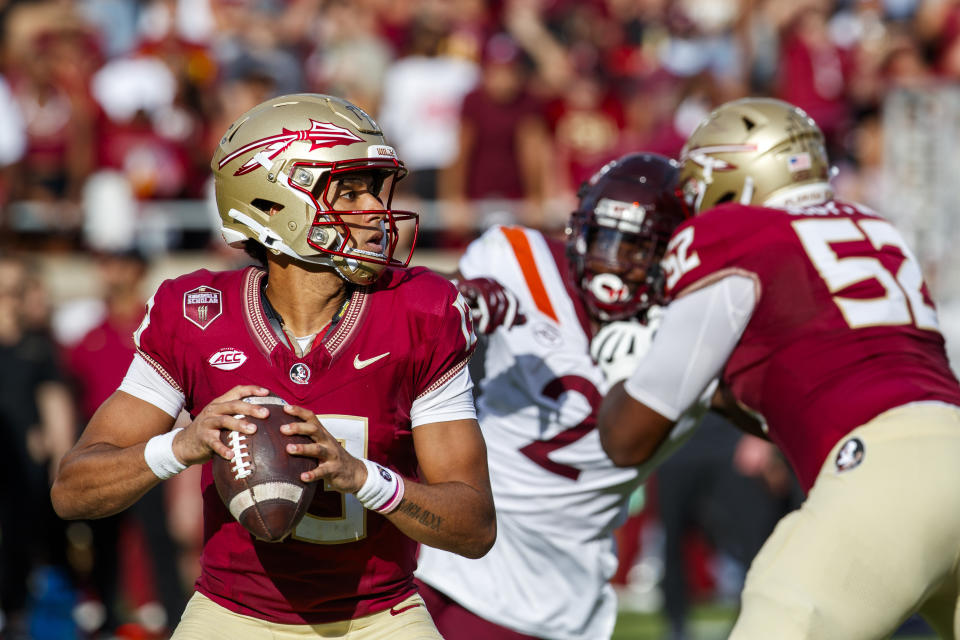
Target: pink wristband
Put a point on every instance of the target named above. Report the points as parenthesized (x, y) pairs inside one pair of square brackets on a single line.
[(383, 489), (393, 502)]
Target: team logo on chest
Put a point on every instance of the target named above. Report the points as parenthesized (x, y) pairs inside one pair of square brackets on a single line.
[(202, 306), (227, 359), (850, 454), (300, 373)]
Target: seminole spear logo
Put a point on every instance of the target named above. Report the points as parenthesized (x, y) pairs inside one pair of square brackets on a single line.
[(320, 134)]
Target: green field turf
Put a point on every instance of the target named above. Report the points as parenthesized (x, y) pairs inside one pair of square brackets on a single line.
[(708, 622)]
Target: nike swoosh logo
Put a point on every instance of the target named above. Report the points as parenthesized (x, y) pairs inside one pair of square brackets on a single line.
[(360, 364), (396, 612)]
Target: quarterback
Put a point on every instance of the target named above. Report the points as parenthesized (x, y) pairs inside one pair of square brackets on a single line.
[(559, 497), (371, 358), (814, 313)]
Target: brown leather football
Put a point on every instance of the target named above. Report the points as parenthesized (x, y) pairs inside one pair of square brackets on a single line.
[(261, 486)]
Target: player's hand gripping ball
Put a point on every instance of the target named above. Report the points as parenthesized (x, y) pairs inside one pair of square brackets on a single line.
[(261, 485)]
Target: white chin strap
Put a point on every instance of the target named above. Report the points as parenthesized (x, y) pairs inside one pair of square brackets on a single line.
[(269, 240), (265, 236), (272, 241), (748, 188)]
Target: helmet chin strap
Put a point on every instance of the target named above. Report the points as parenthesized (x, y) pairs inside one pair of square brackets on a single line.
[(265, 236), (272, 241), (746, 196)]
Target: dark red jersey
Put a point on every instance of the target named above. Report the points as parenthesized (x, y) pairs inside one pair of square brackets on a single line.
[(843, 328), (398, 339)]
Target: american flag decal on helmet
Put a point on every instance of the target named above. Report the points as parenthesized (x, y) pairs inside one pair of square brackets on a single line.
[(320, 134)]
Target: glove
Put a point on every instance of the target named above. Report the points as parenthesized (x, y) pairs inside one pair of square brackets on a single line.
[(491, 305), (619, 346)]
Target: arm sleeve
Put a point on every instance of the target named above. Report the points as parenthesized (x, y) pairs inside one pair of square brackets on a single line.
[(452, 401), (697, 334), (144, 382)]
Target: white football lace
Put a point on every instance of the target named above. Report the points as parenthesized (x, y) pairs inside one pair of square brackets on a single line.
[(241, 463), (263, 400)]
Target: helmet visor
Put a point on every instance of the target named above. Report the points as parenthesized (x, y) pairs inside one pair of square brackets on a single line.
[(611, 250)]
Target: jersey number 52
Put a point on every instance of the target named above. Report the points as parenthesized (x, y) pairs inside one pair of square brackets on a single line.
[(902, 302), (679, 259)]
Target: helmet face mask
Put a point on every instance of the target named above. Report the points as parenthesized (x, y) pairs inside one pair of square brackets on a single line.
[(280, 174), (332, 228), (757, 151), (618, 234), (620, 270)]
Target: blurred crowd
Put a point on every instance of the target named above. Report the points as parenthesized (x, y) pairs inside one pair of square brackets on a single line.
[(124, 576), (499, 108)]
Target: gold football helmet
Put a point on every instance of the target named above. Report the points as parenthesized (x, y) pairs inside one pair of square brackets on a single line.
[(278, 169), (755, 151)]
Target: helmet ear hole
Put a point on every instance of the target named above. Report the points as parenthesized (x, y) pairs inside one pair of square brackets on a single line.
[(267, 206), (727, 197)]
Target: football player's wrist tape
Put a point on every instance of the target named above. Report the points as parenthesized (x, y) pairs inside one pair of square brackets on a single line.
[(383, 489), (159, 455)]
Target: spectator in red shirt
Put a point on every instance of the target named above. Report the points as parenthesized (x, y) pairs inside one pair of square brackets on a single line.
[(97, 364), (813, 73), (503, 143)]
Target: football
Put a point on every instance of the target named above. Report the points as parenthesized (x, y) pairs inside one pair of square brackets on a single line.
[(261, 486)]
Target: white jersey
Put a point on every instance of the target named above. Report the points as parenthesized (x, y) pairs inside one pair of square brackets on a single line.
[(558, 496)]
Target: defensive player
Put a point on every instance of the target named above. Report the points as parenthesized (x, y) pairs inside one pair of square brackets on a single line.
[(371, 357), (815, 313), (559, 498)]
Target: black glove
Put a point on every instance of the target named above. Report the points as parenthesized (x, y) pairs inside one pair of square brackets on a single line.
[(491, 305)]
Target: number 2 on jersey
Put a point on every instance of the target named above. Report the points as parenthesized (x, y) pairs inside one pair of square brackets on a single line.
[(538, 450), (902, 302)]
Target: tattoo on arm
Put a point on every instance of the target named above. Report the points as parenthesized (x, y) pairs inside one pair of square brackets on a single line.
[(421, 515)]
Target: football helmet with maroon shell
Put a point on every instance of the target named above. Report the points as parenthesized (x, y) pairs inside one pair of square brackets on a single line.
[(277, 171), (619, 232), (759, 151)]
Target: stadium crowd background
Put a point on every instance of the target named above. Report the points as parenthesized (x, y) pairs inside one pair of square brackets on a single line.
[(109, 112)]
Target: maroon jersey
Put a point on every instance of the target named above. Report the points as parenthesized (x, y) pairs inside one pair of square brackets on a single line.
[(398, 339), (843, 328)]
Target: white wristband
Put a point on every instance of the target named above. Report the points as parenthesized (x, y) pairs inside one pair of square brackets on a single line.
[(159, 455), (383, 489)]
